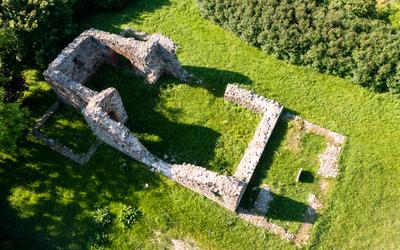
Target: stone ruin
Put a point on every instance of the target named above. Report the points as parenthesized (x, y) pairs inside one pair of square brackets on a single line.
[(152, 56)]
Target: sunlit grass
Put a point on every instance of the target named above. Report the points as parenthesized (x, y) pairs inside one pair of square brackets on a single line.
[(361, 210)]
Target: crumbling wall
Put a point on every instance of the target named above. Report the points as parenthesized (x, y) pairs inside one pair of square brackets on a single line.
[(329, 159), (270, 111), (224, 190), (151, 56)]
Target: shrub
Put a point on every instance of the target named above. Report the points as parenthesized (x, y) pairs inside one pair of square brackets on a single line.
[(102, 217), (40, 26), (341, 37), (129, 215), (12, 124), (40, 29)]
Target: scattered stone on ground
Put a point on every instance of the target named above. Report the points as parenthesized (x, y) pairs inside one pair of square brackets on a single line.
[(164, 241), (261, 205), (262, 222), (310, 215), (329, 161), (183, 245)]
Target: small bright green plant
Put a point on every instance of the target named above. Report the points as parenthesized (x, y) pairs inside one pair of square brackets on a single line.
[(102, 217), (129, 216)]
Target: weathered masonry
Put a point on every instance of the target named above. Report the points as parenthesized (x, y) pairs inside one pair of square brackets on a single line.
[(151, 56)]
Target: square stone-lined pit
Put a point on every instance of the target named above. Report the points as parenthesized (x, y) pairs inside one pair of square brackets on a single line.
[(80, 158)]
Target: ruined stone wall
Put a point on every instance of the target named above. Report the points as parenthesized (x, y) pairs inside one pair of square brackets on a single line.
[(329, 159), (224, 190), (151, 56), (251, 101), (270, 111), (80, 60)]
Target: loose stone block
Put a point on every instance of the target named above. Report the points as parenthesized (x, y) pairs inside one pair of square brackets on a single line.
[(261, 205)]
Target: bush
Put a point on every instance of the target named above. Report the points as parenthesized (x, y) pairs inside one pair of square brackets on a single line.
[(40, 29), (129, 216), (341, 37), (12, 124), (102, 217)]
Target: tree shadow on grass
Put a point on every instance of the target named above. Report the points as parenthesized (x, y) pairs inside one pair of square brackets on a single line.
[(45, 199), (215, 80), (132, 13), (160, 134)]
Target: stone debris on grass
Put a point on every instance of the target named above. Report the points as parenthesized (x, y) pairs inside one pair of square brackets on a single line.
[(310, 215), (183, 245), (261, 221), (264, 197), (329, 161), (313, 202)]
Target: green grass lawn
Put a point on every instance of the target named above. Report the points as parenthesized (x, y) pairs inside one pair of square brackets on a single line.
[(49, 202)]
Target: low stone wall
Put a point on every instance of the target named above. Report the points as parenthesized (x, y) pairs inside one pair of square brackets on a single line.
[(334, 142), (224, 190), (58, 147), (251, 101), (270, 111), (261, 221)]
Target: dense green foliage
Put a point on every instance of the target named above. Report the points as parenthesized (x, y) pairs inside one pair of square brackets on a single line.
[(394, 16), (41, 27), (340, 37), (33, 32), (12, 124)]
